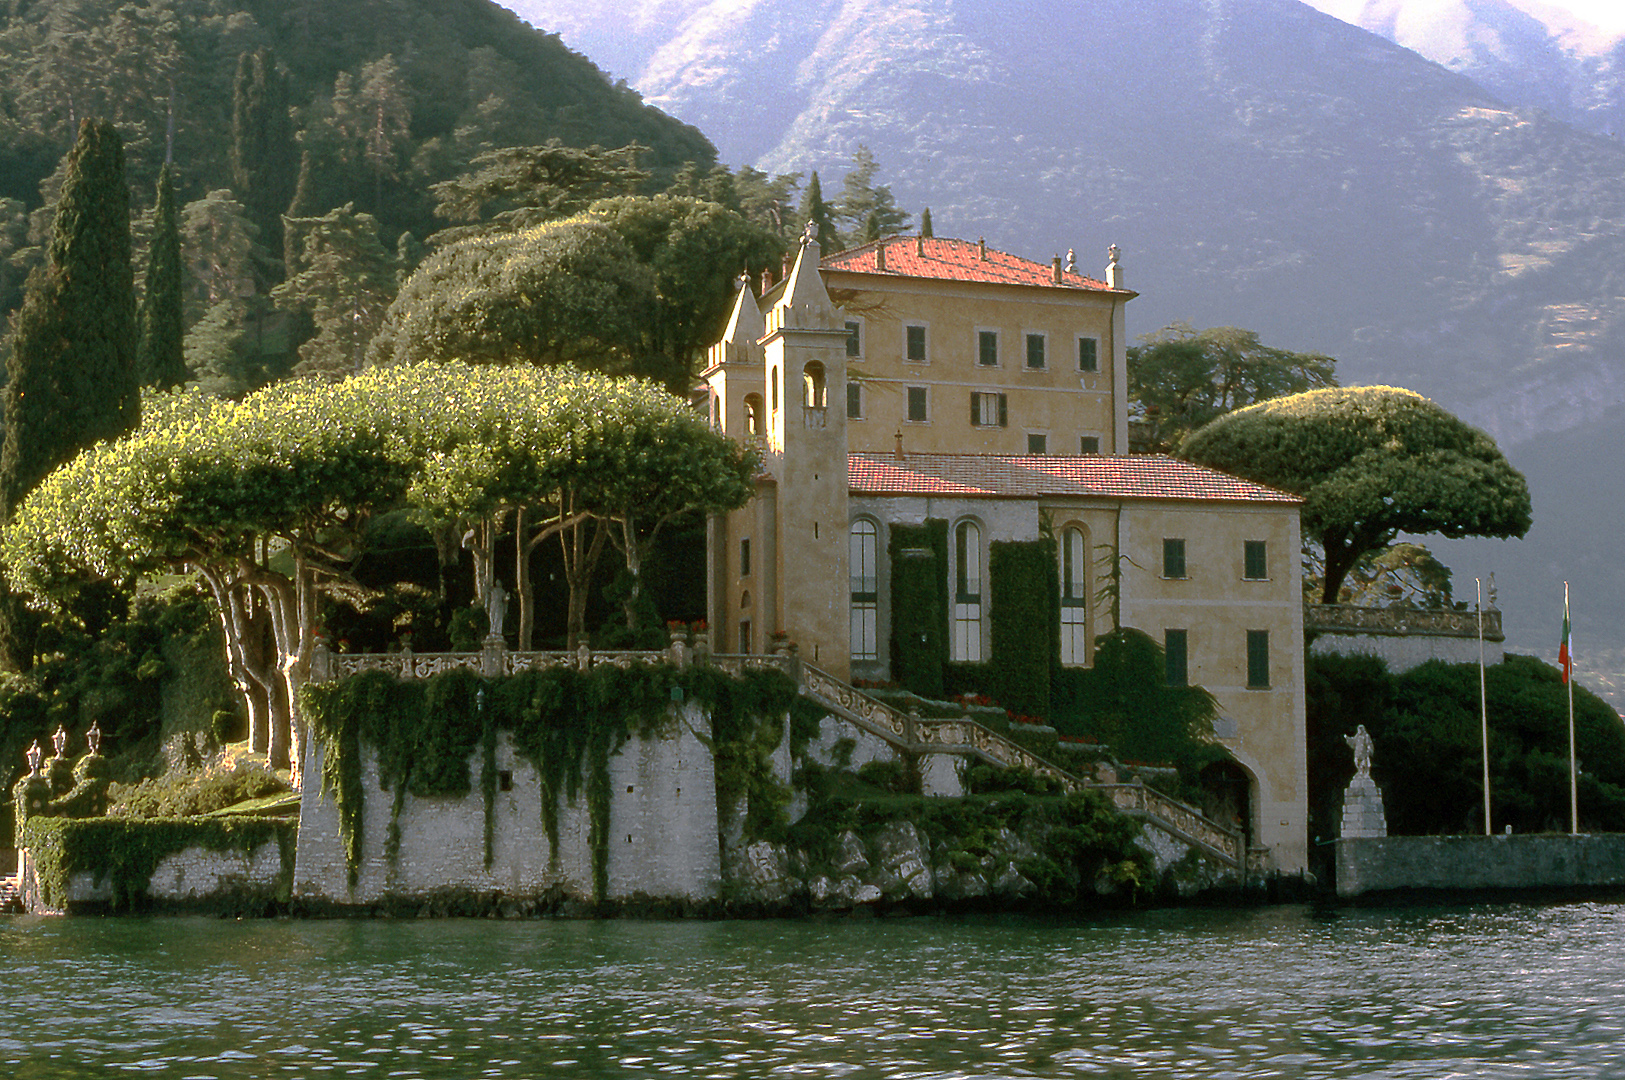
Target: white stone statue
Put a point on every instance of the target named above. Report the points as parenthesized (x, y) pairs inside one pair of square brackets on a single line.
[(1112, 254), (809, 234), (1360, 743), (496, 608)]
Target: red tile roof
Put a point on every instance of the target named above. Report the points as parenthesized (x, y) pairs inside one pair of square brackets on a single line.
[(956, 260), (1135, 476)]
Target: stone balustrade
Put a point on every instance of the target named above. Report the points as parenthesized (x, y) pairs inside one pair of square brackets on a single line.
[(1399, 621)]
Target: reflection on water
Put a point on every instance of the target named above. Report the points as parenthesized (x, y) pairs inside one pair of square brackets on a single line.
[(1275, 992)]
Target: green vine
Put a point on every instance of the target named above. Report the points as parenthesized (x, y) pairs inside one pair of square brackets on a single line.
[(566, 723), (126, 851)]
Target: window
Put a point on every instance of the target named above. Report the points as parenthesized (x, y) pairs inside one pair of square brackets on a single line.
[(1036, 442), (1089, 444), (753, 414), (988, 410), (812, 385), (854, 401), (863, 544), (1256, 563), (1035, 350), (1258, 659), (914, 344), (744, 635), (854, 340), (987, 348), (967, 628), (775, 389), (716, 411), (1174, 647), (917, 405), (1074, 598), (744, 557), (1173, 558), (1088, 354)]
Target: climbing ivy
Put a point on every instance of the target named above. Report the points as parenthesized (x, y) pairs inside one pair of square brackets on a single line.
[(1024, 618), (566, 723), (125, 851), (919, 604)]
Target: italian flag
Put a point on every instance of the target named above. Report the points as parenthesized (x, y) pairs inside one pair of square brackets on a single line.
[(1565, 657)]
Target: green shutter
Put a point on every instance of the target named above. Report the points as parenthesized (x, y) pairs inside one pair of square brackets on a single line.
[(1258, 658), (1173, 558), (1174, 646), (1004, 411), (1257, 561)]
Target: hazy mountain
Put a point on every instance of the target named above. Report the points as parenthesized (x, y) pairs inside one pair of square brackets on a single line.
[(1525, 52), (1260, 163)]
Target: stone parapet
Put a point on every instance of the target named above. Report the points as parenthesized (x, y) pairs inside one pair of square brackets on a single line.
[(1399, 621)]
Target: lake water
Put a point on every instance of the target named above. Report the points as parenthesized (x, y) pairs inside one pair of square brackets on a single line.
[(1525, 991)]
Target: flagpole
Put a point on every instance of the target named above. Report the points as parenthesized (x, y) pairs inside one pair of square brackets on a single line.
[(1483, 705), (1568, 677)]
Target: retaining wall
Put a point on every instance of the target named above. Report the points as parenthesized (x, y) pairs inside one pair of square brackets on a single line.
[(1397, 863), (662, 831)]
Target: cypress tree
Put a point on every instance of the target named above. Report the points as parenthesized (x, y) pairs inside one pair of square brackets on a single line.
[(815, 210), (72, 370), (925, 223), (262, 141), (162, 361), (302, 205)]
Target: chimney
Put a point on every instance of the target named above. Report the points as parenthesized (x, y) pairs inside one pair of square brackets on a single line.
[(1055, 270), (784, 267), (880, 256), (1114, 272), (767, 282), (981, 248), (898, 453), (919, 245)]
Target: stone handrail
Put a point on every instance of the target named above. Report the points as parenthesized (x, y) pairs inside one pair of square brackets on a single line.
[(908, 733), (914, 735), (1399, 621)]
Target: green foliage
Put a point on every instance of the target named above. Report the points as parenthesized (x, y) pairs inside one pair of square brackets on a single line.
[(1180, 378), (1370, 462), (192, 794), (1427, 757), (125, 851), (815, 210), (71, 376), (264, 157), (1024, 623), (518, 187), (569, 291), (162, 359), (1125, 701), (919, 604), (345, 280), (867, 210), (1399, 575)]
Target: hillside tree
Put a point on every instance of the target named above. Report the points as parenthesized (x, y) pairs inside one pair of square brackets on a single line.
[(264, 157), (1370, 462), (162, 358), (1180, 378), (817, 211), (517, 187), (866, 210), (345, 281)]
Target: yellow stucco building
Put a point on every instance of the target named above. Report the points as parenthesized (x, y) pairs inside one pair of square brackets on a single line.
[(917, 380)]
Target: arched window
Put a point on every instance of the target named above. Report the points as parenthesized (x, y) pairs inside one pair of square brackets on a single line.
[(716, 411), (967, 621), (812, 385), (863, 545), (1074, 597), (775, 389), (753, 414)]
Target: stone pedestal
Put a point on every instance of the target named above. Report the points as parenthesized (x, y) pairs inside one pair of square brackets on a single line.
[(1362, 810)]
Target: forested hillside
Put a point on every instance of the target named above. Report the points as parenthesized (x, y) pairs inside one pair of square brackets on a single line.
[(387, 97)]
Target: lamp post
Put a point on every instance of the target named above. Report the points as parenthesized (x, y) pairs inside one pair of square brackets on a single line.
[(1483, 705)]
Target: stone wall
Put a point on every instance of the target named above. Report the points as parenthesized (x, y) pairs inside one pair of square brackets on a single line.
[(662, 831), (195, 876), (1404, 637), (1479, 862)]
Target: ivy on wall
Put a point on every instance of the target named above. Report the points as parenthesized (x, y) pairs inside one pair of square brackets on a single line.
[(919, 605), (1024, 623), (124, 852), (566, 723)]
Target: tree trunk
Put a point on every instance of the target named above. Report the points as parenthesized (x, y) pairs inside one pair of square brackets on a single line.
[(580, 560)]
